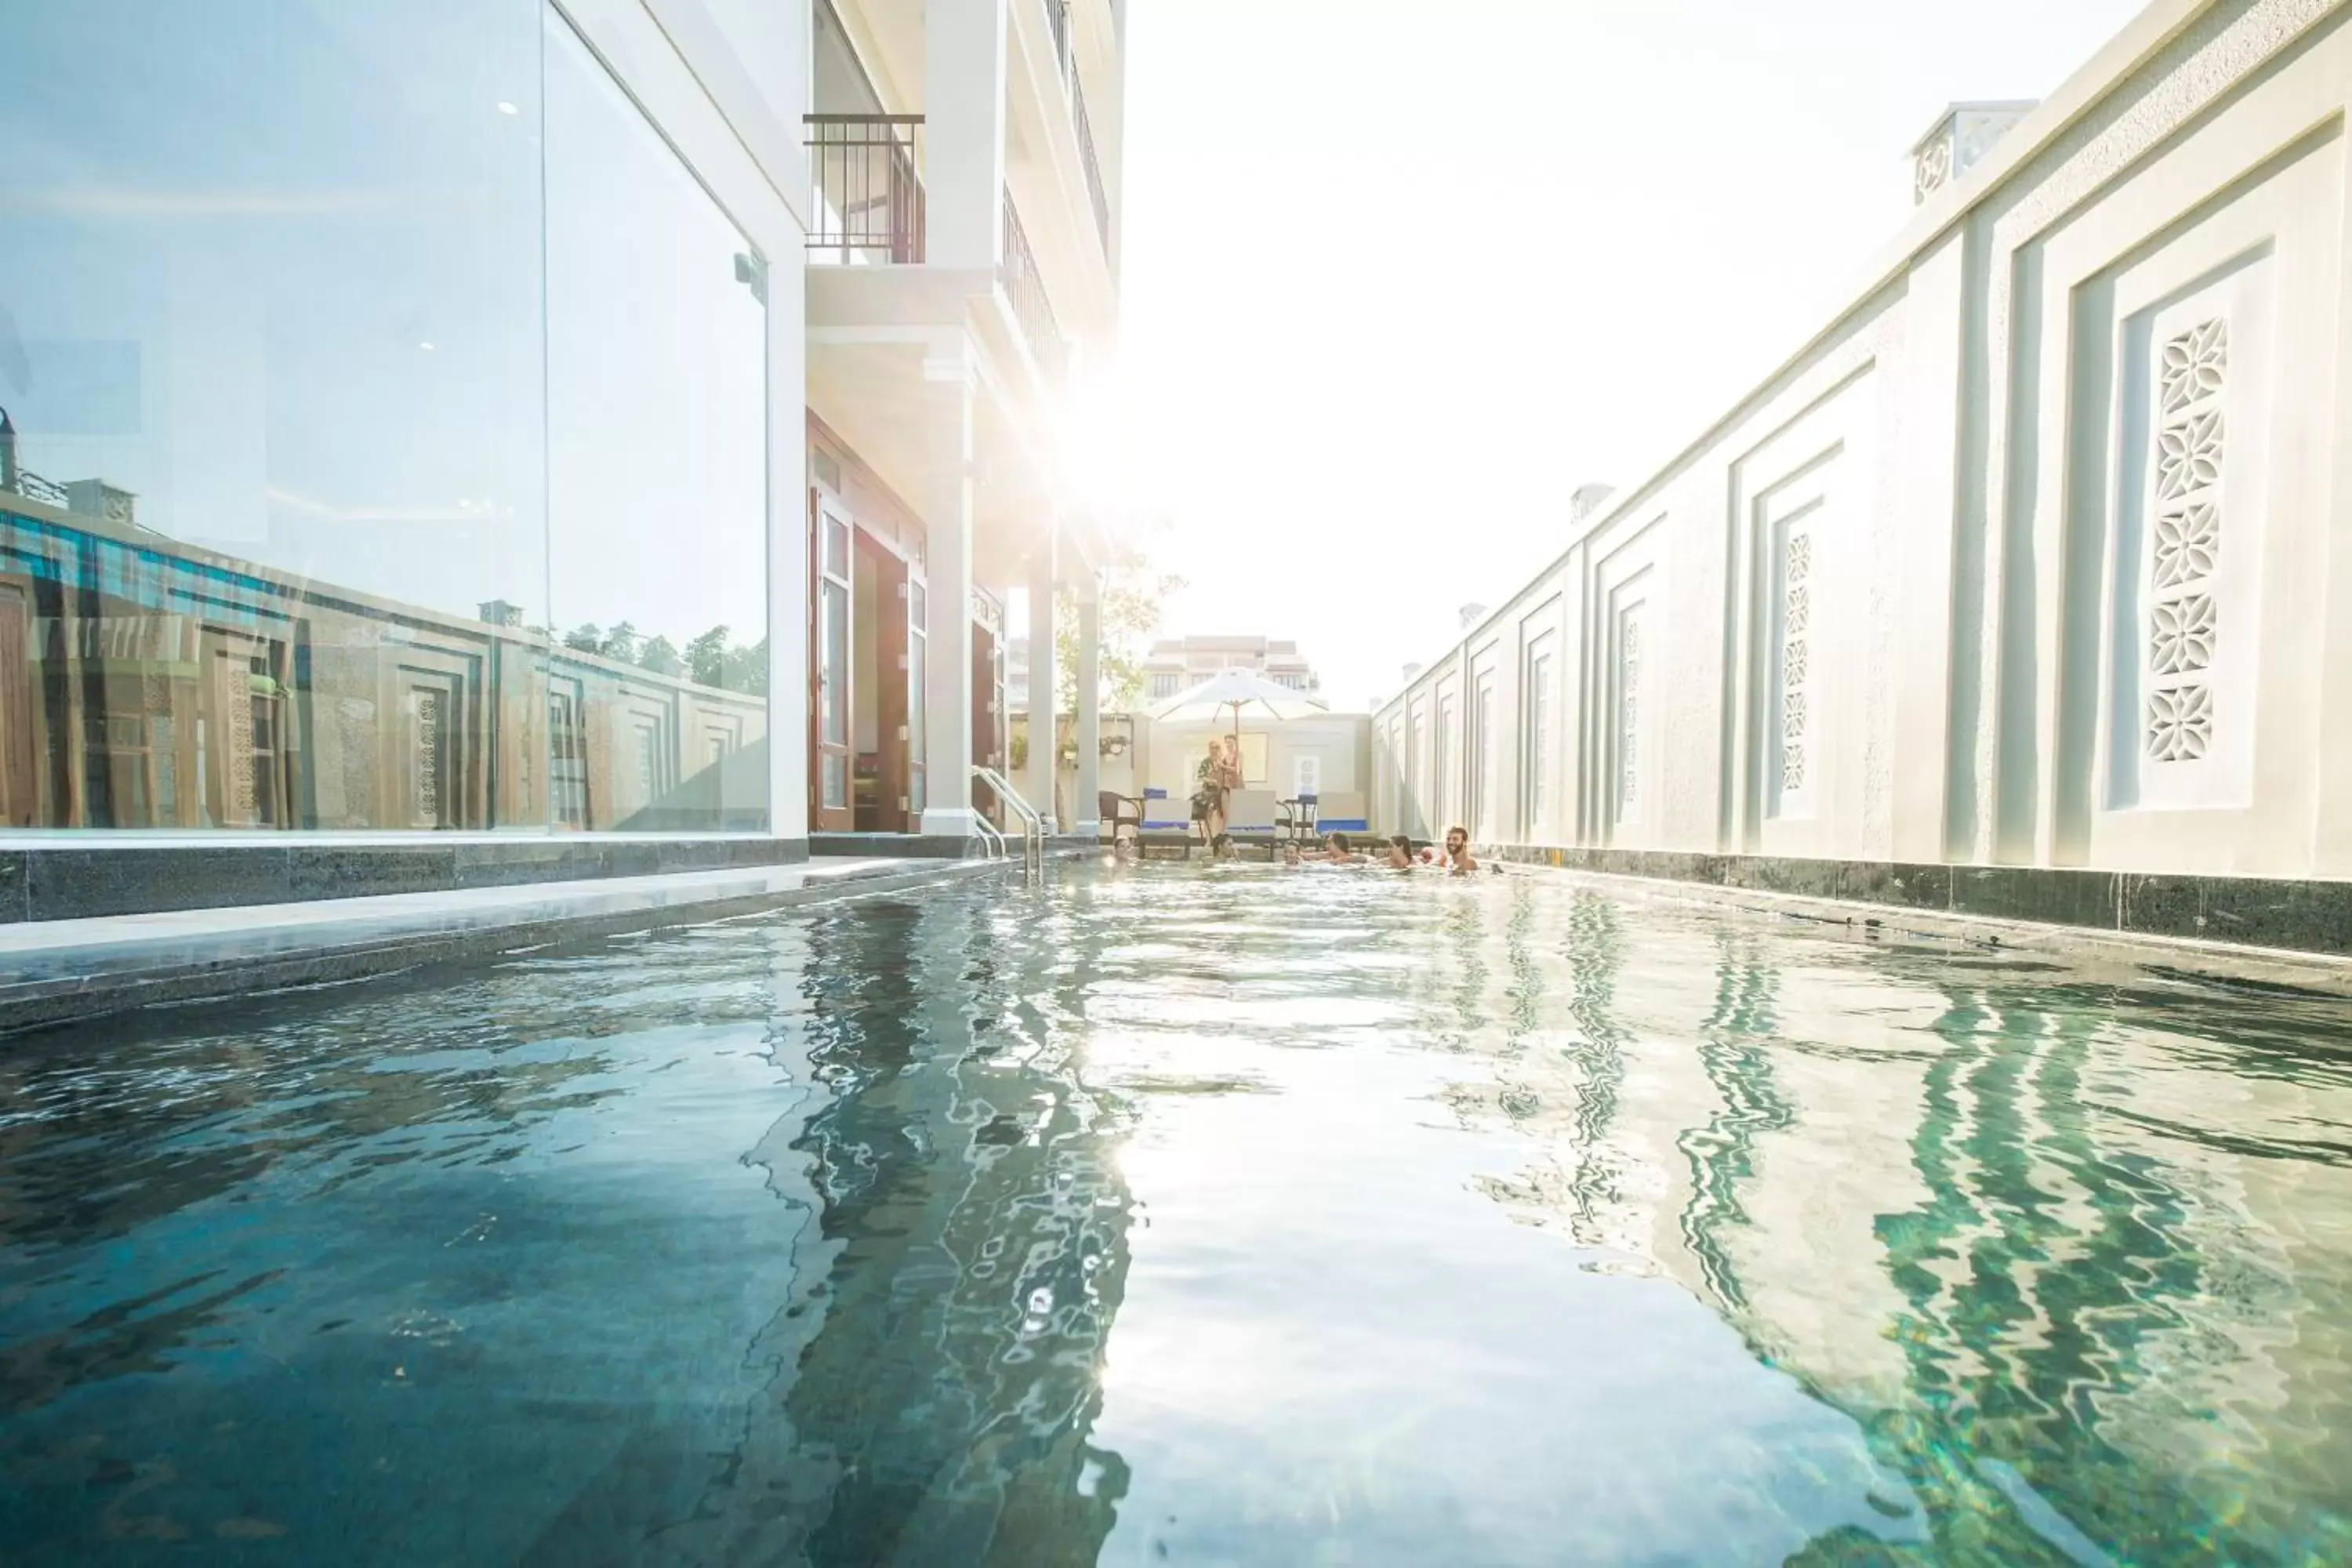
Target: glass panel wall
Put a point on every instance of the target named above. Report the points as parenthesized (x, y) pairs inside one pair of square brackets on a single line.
[(269, 345), (657, 472), (277, 546)]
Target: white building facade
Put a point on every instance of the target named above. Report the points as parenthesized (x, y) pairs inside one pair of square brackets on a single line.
[(962, 283), (2038, 556), (1177, 664)]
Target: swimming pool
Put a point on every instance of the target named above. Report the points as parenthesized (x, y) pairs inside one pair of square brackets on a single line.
[(1209, 1214)]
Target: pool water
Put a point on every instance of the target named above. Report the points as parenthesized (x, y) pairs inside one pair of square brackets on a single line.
[(1188, 1215)]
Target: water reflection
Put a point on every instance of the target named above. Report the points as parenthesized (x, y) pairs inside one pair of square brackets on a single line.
[(2074, 1256), (1186, 1214)]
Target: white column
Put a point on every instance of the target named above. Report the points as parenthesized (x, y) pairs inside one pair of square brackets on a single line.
[(963, 132), (1037, 780), (946, 503), (788, 547), (1084, 807)]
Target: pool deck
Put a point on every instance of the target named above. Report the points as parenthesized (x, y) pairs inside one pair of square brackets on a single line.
[(52, 972)]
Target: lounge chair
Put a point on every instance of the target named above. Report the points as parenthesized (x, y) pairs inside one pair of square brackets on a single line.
[(1252, 817), (1340, 811), (1165, 823)]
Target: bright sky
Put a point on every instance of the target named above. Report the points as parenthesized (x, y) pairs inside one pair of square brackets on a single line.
[(1398, 276)]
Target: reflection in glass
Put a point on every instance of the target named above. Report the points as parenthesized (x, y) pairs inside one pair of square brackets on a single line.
[(270, 497), (657, 487)]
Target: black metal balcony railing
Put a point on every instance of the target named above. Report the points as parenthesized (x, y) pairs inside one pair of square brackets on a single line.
[(1057, 16), (869, 189), (1094, 170), (1027, 289)]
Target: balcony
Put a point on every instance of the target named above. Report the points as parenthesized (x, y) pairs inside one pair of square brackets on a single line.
[(869, 189), (1058, 18), (1094, 170), (1031, 307)]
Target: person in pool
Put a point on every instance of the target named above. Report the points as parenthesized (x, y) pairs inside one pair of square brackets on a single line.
[(1337, 851), (1400, 855), (1459, 861)]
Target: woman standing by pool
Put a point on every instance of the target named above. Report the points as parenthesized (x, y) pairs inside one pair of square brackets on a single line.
[(1216, 778)]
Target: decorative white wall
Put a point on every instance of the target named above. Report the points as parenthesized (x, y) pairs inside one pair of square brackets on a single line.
[(2040, 554)]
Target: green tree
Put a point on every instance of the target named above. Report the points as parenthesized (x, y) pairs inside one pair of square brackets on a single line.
[(706, 657), (620, 642), (1134, 591), (587, 637), (746, 669), (661, 656)]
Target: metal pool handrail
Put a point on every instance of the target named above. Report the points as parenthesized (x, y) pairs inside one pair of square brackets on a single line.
[(992, 842), (1032, 825)]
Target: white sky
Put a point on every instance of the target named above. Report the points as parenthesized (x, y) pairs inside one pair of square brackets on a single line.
[(1399, 277)]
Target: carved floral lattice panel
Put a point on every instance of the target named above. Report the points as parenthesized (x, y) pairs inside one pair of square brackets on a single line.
[(2180, 626), (1628, 708), (1796, 655)]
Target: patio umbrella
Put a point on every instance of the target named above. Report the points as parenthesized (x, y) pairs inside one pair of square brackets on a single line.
[(1237, 690)]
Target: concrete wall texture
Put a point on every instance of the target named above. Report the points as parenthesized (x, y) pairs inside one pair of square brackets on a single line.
[(2039, 554)]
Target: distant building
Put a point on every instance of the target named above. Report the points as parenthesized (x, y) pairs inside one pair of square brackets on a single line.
[(1178, 664)]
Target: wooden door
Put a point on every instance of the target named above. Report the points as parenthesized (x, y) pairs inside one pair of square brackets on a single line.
[(987, 715), (893, 652), (918, 677), (832, 602)]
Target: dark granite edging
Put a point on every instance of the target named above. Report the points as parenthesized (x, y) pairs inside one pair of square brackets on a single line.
[(48, 1003), (933, 845), (894, 846), (2294, 915), (83, 880)]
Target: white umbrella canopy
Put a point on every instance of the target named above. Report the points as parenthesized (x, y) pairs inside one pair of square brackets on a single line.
[(1232, 692), (1237, 690)]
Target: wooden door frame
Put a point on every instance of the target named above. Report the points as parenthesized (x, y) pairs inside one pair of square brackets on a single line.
[(824, 512), (918, 748), (891, 647), (987, 717)]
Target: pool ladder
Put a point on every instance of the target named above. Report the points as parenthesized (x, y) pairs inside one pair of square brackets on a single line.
[(1032, 826)]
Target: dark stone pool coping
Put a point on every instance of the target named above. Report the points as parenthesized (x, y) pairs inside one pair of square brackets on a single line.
[(2297, 916), (86, 878), (81, 982), (928, 845)]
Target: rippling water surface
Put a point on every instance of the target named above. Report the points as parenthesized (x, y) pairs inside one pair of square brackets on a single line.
[(1196, 1216)]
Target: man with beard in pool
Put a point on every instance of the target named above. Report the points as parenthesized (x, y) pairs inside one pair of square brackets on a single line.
[(1459, 861)]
